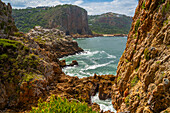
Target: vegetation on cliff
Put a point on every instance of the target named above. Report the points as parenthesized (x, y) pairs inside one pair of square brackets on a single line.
[(69, 18), (110, 23)]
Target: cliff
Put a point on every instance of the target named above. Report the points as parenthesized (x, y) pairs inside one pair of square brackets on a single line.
[(143, 72), (29, 62), (110, 23), (68, 18), (7, 25)]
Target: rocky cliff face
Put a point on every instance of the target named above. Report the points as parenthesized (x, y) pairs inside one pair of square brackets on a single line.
[(71, 19), (7, 25), (143, 72), (68, 18)]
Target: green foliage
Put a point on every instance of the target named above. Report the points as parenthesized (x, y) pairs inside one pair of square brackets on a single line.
[(166, 8), (127, 100), (146, 54), (126, 60), (134, 81), (18, 34), (59, 105), (9, 43), (39, 39), (137, 25), (165, 22), (136, 69), (143, 5), (118, 79), (109, 23), (3, 56), (158, 62)]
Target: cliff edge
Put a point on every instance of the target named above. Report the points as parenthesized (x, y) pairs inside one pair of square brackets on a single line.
[(143, 72)]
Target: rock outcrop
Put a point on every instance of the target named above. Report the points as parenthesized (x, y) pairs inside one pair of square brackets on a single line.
[(53, 40), (7, 25), (69, 18), (143, 72), (29, 64)]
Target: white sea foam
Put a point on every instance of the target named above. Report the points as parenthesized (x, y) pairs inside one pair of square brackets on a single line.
[(105, 105), (97, 66)]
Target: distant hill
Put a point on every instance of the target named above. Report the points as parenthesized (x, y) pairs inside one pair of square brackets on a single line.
[(110, 23), (69, 18)]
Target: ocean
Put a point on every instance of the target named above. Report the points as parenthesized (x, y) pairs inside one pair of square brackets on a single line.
[(101, 56)]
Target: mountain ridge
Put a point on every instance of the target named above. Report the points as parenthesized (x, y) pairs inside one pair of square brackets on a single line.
[(110, 23)]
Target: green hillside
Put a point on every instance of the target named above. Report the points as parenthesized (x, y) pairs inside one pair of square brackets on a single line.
[(110, 23), (68, 18)]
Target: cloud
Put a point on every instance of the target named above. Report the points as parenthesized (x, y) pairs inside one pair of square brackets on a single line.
[(78, 2), (126, 7), (93, 7)]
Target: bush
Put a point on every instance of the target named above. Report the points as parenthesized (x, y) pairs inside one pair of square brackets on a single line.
[(134, 81), (127, 100), (143, 5), (146, 54), (59, 105), (137, 25), (18, 34)]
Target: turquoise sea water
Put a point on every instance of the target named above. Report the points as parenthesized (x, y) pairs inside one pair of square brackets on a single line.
[(101, 56)]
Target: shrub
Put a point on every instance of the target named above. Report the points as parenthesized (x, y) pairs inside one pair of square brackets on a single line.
[(137, 25), (59, 105), (165, 8), (18, 34), (143, 5), (118, 79), (9, 43), (126, 60), (127, 100), (3, 56), (146, 54)]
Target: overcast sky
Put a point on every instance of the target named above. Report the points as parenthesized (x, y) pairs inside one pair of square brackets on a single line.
[(93, 7)]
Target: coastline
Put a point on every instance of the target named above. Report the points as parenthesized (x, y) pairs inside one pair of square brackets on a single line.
[(75, 36)]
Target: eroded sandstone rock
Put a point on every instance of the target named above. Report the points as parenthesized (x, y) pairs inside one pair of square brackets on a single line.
[(145, 62)]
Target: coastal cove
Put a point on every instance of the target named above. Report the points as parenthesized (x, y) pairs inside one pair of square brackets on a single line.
[(101, 56)]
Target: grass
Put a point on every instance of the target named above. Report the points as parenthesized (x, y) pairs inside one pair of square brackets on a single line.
[(59, 105)]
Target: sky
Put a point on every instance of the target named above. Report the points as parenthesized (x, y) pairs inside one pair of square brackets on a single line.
[(93, 7)]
